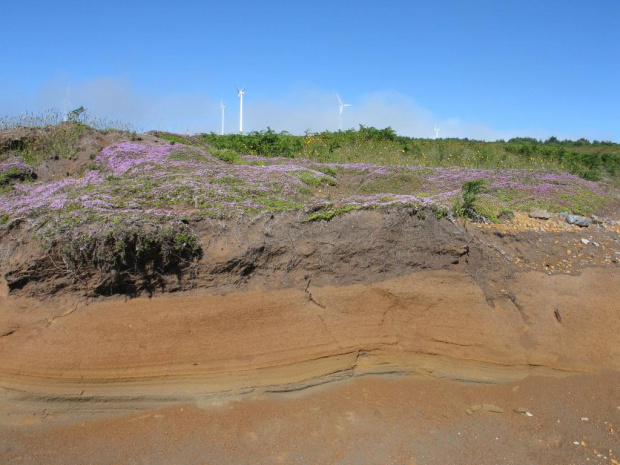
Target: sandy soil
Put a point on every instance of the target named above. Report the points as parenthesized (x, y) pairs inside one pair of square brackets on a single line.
[(365, 373), (368, 420)]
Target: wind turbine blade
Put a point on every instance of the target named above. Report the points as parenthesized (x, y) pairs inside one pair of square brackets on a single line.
[(339, 100)]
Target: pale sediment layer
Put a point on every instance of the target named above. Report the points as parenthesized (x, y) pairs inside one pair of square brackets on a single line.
[(430, 323)]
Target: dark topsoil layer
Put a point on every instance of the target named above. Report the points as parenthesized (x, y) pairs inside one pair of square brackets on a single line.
[(280, 250)]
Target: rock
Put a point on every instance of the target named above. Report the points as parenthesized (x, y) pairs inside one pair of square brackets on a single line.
[(469, 411), (524, 411), (492, 408), (585, 241), (540, 214), (476, 407), (596, 244), (578, 220)]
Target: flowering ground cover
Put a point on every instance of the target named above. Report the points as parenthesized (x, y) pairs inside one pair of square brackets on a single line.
[(15, 171), (130, 215), (177, 181)]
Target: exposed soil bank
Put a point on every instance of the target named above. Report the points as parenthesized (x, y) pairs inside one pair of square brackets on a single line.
[(437, 323), (276, 307)]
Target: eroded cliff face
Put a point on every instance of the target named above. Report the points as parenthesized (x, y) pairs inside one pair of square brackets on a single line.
[(277, 304), (429, 323), (270, 251)]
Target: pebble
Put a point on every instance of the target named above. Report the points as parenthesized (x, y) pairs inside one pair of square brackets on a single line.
[(492, 408), (585, 241), (524, 411)]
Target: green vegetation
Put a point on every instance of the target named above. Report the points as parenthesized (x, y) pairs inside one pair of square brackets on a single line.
[(316, 181), (54, 137), (590, 160), (328, 212), (121, 248), (267, 143), (61, 141), (470, 191)]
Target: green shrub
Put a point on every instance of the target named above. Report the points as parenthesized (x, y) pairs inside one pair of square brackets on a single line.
[(470, 192), (226, 155)]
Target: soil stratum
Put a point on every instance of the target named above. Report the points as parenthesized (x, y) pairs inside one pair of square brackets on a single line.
[(165, 306)]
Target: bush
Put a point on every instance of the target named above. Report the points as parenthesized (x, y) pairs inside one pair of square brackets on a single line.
[(470, 191)]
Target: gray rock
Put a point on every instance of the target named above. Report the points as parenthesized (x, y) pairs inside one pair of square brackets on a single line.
[(585, 241), (540, 214), (578, 220)]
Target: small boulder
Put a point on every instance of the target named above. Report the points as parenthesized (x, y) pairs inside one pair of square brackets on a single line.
[(578, 220), (540, 214)]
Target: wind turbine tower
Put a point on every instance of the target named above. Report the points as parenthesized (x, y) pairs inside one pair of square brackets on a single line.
[(240, 94), (341, 106), (223, 108), (436, 132)]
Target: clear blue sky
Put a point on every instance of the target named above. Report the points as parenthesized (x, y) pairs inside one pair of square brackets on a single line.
[(482, 69)]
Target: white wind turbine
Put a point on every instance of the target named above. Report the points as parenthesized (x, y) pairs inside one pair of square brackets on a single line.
[(341, 106), (223, 108), (240, 94), (436, 132)]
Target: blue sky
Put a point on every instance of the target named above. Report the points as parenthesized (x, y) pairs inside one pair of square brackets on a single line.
[(478, 69)]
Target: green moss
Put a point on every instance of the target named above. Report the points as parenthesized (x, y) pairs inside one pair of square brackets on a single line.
[(329, 213), (313, 180)]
